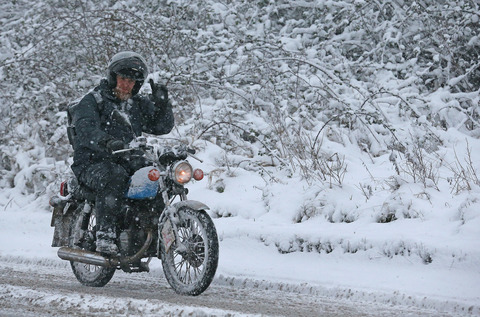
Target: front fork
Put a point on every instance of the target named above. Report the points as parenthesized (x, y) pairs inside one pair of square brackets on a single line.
[(169, 233)]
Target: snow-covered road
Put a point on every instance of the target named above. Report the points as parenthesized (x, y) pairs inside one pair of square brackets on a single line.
[(252, 279), (48, 288)]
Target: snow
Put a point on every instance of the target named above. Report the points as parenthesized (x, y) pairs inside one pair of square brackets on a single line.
[(104, 305), (321, 238), (388, 213), (428, 257)]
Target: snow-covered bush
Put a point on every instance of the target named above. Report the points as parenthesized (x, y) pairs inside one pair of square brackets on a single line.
[(289, 82)]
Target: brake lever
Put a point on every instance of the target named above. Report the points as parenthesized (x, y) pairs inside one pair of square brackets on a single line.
[(122, 151), (195, 157)]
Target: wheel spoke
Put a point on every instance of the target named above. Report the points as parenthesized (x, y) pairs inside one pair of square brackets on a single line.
[(87, 274), (191, 270), (188, 234)]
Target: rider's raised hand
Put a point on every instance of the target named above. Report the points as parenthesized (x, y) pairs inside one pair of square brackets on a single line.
[(159, 94)]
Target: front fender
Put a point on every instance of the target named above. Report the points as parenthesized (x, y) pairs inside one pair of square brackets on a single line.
[(171, 211), (193, 204), (167, 233)]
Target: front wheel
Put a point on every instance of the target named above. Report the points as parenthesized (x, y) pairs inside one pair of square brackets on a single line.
[(190, 262), (83, 237)]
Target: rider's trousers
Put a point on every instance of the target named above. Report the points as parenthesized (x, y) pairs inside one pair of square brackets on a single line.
[(109, 181)]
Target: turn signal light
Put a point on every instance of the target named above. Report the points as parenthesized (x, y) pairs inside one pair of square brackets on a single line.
[(154, 175), (198, 174)]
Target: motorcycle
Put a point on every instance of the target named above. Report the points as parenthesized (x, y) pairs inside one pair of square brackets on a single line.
[(181, 234)]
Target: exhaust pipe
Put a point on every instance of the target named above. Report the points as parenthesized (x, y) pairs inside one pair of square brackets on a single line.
[(87, 257), (93, 258)]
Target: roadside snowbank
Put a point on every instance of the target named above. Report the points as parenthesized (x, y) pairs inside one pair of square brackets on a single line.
[(361, 261)]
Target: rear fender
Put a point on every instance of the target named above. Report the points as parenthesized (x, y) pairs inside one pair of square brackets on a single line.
[(62, 218)]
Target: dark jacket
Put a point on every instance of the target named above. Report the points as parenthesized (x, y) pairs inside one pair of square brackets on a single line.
[(96, 123)]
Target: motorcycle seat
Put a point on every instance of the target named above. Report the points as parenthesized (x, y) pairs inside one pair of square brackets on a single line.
[(79, 191), (83, 193)]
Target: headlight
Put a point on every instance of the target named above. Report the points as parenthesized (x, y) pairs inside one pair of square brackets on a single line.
[(182, 172)]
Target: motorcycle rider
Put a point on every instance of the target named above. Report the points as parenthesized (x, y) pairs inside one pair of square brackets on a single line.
[(106, 120)]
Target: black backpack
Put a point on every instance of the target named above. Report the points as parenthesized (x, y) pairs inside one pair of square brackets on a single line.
[(71, 110)]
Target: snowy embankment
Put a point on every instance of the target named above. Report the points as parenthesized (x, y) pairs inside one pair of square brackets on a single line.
[(275, 236), (341, 156)]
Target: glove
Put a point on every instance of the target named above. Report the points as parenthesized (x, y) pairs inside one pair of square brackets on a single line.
[(115, 145), (159, 94)]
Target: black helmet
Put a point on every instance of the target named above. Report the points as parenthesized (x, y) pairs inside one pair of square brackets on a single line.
[(130, 65)]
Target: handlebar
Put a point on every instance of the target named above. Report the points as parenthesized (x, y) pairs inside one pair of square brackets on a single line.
[(168, 153), (195, 157)]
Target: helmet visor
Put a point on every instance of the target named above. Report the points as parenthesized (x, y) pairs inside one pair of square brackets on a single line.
[(130, 67), (131, 73)]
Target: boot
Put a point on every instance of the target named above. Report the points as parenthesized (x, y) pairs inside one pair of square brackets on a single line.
[(106, 242)]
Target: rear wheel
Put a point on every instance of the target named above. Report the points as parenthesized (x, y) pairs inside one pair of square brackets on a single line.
[(84, 236), (190, 262)]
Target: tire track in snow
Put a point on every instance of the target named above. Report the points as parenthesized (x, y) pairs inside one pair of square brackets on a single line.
[(46, 288)]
